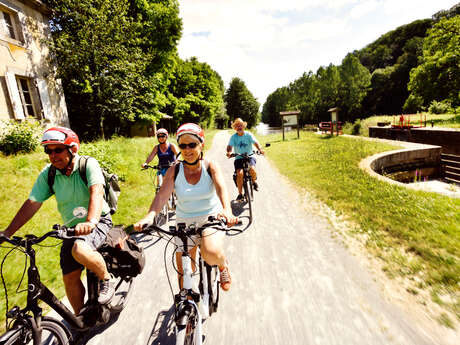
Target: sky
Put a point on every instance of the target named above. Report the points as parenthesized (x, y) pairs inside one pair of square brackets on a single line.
[(270, 43)]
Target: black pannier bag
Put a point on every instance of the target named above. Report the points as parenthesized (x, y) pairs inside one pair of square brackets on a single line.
[(123, 256)]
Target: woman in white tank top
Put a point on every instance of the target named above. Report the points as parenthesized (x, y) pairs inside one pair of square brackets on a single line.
[(199, 196)]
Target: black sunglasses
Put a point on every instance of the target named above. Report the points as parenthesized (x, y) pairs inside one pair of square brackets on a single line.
[(161, 136), (57, 150), (190, 145)]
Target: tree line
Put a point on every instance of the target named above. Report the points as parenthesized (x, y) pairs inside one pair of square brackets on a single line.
[(405, 70), (119, 65)]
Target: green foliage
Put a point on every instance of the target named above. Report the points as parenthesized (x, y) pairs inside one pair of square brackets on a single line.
[(353, 87), (19, 137), (113, 57), (356, 129), (440, 107), (436, 78), (241, 103), (275, 103), (413, 104), (195, 93)]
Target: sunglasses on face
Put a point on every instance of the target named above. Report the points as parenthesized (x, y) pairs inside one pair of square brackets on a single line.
[(190, 145), (161, 136), (57, 150)]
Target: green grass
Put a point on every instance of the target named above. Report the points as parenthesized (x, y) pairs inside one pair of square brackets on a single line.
[(444, 120), (417, 234), (17, 175)]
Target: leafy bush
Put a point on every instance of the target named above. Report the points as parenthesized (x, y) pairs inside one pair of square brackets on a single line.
[(356, 129), (106, 159), (19, 137), (413, 104), (442, 107)]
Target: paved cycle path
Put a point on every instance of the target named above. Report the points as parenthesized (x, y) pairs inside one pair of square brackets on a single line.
[(294, 282)]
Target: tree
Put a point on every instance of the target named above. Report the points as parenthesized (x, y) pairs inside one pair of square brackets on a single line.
[(276, 102), (437, 77), (354, 84), (241, 103), (195, 93), (113, 73)]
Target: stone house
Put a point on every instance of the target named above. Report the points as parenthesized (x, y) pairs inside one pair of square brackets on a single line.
[(28, 87)]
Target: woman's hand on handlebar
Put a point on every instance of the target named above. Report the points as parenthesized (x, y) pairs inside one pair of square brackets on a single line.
[(229, 218), (147, 220)]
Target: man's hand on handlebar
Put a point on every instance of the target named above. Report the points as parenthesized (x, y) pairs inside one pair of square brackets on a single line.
[(84, 228)]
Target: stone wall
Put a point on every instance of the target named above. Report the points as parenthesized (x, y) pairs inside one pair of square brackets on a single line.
[(448, 139)]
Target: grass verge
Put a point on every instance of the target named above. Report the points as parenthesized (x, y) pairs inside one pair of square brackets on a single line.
[(415, 233)]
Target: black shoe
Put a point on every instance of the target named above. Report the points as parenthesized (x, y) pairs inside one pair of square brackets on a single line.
[(106, 291), (256, 186), (240, 197)]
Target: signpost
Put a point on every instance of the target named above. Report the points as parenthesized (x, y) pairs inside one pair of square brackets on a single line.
[(290, 119)]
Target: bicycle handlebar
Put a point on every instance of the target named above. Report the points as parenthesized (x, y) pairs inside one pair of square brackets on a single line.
[(60, 232), (182, 230), (245, 155)]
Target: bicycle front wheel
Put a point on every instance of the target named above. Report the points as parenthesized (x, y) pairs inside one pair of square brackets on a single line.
[(52, 334), (248, 197), (185, 335)]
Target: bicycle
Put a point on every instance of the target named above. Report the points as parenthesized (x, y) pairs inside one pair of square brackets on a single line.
[(163, 216), (248, 184), (193, 306), (28, 329)]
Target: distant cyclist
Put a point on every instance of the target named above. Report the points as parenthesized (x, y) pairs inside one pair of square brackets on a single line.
[(166, 152), (241, 142)]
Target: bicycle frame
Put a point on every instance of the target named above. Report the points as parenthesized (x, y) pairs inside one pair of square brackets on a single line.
[(248, 188), (192, 304), (92, 313)]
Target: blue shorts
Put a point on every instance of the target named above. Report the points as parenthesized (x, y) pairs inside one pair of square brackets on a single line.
[(162, 171), (238, 163), (95, 239)]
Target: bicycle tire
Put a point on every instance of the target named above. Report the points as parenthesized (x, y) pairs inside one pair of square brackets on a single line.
[(52, 334), (247, 196), (123, 289), (185, 335), (251, 185), (213, 286)]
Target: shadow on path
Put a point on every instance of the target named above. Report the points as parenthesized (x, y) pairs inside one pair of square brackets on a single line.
[(163, 329)]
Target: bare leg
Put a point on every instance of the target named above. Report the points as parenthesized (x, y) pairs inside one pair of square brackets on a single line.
[(212, 247), (74, 289), (91, 259), (179, 265), (239, 180), (253, 173)]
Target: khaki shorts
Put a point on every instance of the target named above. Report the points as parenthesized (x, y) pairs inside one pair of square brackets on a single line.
[(195, 240)]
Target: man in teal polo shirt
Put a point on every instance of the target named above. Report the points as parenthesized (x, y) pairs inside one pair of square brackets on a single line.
[(62, 144)]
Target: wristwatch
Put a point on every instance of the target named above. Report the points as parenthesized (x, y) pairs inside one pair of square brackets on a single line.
[(93, 221)]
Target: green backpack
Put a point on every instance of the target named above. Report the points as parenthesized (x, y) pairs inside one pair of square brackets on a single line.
[(111, 188)]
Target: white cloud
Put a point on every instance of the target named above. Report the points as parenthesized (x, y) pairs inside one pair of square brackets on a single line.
[(269, 43)]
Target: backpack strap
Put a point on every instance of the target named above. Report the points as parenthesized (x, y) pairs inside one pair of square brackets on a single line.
[(82, 168), (81, 171), (51, 177)]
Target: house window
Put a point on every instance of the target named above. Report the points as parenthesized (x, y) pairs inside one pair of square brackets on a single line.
[(10, 25), (25, 88)]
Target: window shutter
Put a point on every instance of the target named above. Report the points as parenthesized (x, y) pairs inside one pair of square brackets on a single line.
[(44, 98), (12, 85), (24, 35)]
